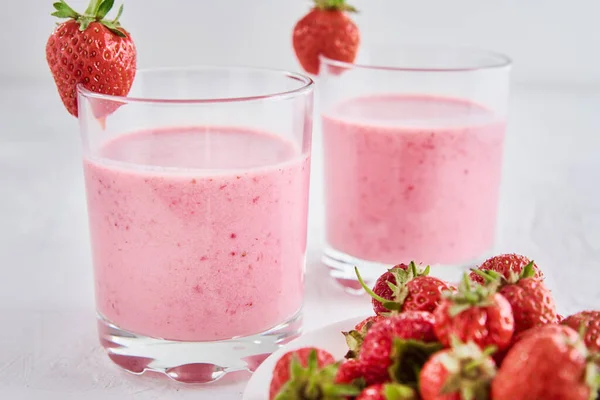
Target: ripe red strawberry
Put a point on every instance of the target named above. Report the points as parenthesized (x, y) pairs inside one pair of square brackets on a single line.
[(388, 391), (462, 372), (504, 264), (307, 373), (92, 51), (550, 328), (531, 301), (351, 372), (356, 337), (405, 288), (397, 347), (589, 321), (547, 364), (475, 313), (326, 30)]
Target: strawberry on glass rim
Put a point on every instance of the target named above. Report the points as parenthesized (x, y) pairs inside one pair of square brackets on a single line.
[(326, 30), (90, 50)]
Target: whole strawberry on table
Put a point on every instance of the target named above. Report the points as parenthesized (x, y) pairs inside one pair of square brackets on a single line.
[(495, 337), (92, 50)]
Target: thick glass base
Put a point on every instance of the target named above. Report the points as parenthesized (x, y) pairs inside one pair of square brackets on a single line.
[(341, 269), (193, 362)]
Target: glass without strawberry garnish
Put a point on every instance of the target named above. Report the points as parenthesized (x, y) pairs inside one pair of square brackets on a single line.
[(412, 154), (197, 199)]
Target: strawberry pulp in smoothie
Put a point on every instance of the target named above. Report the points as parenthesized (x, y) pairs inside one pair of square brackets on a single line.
[(198, 234), (412, 178)]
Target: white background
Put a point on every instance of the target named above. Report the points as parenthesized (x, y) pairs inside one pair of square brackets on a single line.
[(549, 208), (551, 40)]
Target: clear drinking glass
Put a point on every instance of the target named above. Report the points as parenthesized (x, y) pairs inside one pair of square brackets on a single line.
[(413, 148), (197, 189)]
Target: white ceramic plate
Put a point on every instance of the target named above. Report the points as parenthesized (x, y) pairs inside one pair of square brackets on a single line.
[(329, 338)]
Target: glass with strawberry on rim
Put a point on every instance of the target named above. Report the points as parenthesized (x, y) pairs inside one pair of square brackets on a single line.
[(412, 156), (197, 188), (412, 148)]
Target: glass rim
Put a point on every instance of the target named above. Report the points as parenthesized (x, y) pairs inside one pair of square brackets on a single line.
[(502, 60), (306, 85)]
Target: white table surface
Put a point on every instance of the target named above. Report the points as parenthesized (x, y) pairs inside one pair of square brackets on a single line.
[(48, 347)]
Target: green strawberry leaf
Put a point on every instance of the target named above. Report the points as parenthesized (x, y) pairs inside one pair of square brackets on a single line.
[(469, 370), (469, 295), (84, 22), (104, 8), (408, 357), (592, 378), (287, 392), (426, 271), (394, 391), (488, 276), (399, 289), (64, 11), (96, 11), (338, 391), (367, 288), (354, 340), (119, 13), (528, 271), (114, 28), (296, 369), (334, 5), (93, 7), (314, 383)]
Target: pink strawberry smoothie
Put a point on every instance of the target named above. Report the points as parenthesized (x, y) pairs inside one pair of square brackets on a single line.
[(198, 234), (412, 178)]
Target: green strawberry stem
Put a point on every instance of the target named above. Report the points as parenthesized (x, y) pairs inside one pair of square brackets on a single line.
[(314, 383), (399, 289), (96, 12), (592, 376), (488, 276), (312, 389), (396, 391), (528, 271), (389, 305), (469, 370), (334, 5), (489, 351), (491, 277), (367, 288), (425, 272), (470, 296), (582, 330), (473, 364), (93, 7)]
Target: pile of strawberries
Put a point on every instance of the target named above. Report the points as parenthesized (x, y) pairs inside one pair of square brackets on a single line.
[(497, 336)]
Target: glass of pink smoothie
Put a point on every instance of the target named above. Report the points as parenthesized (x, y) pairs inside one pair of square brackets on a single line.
[(197, 190), (412, 151)]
